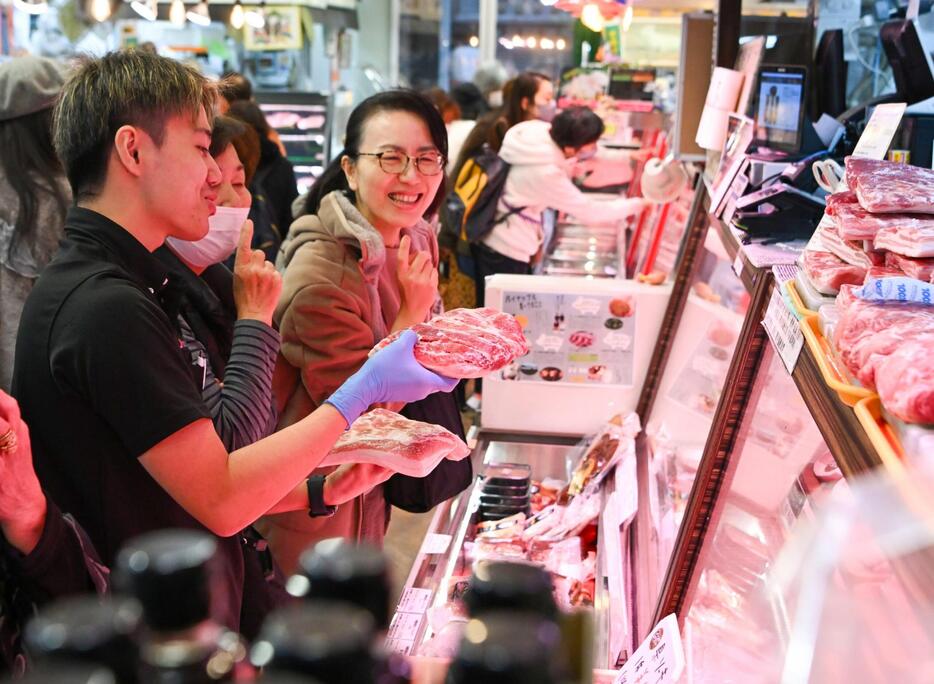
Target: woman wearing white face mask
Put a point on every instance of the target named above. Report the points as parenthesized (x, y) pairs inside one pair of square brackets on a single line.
[(225, 319)]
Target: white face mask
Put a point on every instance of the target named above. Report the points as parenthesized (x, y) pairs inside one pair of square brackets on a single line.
[(220, 242)]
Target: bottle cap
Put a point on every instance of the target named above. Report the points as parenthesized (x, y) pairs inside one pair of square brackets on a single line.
[(498, 585), (507, 648), (328, 640), (88, 629), (168, 572), (336, 569)]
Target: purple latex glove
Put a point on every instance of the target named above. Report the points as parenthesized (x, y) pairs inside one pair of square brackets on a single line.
[(390, 375)]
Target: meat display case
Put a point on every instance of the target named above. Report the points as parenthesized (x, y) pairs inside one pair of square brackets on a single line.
[(719, 499), (303, 122), (442, 560)]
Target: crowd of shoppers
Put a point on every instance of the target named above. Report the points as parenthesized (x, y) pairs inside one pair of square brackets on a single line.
[(162, 388)]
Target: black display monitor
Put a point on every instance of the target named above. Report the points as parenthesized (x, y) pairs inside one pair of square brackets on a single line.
[(911, 66), (830, 74), (779, 110)]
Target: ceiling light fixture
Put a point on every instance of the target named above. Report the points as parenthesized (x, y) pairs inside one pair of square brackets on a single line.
[(177, 13), (100, 10), (147, 9), (200, 15), (32, 6), (236, 16)]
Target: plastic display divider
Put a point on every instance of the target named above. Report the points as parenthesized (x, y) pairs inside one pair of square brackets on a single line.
[(681, 580)]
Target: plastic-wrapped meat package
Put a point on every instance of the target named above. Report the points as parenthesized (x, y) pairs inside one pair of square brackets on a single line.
[(387, 439), (919, 269), (847, 250), (890, 188), (467, 343), (905, 380), (855, 223), (827, 272), (913, 241)]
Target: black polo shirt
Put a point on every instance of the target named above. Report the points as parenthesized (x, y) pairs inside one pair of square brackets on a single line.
[(101, 378)]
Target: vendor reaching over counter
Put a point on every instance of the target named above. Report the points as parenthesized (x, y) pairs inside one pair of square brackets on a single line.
[(541, 156)]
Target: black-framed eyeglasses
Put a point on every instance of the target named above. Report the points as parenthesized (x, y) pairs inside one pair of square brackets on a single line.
[(427, 164)]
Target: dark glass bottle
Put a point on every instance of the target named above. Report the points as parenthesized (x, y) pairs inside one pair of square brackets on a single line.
[(168, 572), (498, 585), (339, 570), (89, 629), (327, 640), (506, 648), (68, 673)]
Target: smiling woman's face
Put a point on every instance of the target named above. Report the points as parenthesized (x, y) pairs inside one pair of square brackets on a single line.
[(391, 201)]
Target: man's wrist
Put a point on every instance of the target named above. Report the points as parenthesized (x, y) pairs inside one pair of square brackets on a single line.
[(318, 505)]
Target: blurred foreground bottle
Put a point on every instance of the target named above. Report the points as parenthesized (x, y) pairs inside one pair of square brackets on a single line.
[(168, 572)]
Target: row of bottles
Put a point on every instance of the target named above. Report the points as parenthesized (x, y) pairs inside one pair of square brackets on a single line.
[(157, 627)]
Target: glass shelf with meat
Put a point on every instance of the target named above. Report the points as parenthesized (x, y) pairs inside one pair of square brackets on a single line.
[(535, 501), (742, 603)]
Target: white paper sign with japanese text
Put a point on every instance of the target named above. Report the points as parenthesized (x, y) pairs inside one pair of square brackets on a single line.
[(659, 659)]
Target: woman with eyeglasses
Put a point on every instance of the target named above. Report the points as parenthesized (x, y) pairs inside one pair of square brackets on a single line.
[(360, 264)]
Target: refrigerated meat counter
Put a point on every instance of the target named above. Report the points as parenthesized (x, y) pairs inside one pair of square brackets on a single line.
[(430, 618)]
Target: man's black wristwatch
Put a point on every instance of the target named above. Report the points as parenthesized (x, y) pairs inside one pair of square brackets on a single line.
[(316, 506)]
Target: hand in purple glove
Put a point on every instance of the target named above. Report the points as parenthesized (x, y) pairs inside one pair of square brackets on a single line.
[(390, 375)]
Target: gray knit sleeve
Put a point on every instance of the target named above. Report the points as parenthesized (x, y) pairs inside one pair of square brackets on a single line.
[(242, 405)]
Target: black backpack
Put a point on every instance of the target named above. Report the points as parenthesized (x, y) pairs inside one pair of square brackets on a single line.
[(470, 207)]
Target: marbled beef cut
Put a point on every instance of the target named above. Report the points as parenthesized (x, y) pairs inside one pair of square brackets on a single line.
[(887, 187), (467, 343), (387, 439)]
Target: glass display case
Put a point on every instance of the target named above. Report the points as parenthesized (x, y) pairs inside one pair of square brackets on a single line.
[(430, 617), (302, 121)]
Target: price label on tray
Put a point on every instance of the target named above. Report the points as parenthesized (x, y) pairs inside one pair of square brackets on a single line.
[(783, 330)]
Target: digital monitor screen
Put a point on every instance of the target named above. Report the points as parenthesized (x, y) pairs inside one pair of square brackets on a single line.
[(779, 107)]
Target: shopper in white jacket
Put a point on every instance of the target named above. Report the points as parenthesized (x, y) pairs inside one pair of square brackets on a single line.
[(541, 156)]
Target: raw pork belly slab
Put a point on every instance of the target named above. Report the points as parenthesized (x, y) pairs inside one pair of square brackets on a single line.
[(905, 380), (849, 251), (855, 223), (387, 439), (919, 269), (467, 343), (889, 188), (827, 272), (913, 241), (886, 346), (838, 199)]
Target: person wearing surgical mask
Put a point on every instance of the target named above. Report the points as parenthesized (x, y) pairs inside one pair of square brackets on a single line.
[(224, 318)]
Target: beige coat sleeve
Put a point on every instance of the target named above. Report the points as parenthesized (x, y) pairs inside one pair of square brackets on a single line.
[(324, 330)]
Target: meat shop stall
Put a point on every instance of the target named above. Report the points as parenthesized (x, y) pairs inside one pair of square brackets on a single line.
[(726, 431)]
